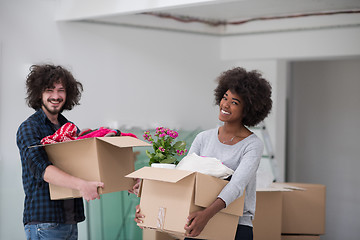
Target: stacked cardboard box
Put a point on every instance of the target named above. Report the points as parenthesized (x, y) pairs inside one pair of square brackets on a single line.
[(290, 211), (268, 214), (303, 212)]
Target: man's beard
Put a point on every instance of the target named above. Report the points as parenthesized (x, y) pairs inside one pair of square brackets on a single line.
[(53, 111)]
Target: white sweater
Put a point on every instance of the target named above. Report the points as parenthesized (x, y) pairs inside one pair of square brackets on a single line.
[(242, 157)]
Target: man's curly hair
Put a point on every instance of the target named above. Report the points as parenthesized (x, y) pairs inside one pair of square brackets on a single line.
[(252, 88), (45, 76)]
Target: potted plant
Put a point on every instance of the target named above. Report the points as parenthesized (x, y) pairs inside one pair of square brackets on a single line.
[(164, 147)]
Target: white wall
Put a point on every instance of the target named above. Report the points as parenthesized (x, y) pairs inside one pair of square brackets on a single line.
[(141, 78), (323, 138)]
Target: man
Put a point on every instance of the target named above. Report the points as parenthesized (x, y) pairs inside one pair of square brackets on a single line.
[(50, 90)]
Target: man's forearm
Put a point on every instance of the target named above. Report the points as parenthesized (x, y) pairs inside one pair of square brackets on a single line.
[(58, 177)]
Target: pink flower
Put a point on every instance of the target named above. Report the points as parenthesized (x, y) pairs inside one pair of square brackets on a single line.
[(147, 136), (163, 142), (181, 152), (174, 134)]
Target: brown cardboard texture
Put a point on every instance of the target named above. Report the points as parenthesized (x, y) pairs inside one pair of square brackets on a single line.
[(289, 207), (300, 237), (168, 196), (151, 234), (268, 214), (105, 159), (304, 211)]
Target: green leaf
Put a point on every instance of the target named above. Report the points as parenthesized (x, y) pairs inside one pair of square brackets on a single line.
[(155, 146), (160, 155), (148, 154), (169, 159), (180, 145)]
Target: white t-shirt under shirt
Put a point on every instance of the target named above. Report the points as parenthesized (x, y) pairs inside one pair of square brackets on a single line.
[(242, 157)]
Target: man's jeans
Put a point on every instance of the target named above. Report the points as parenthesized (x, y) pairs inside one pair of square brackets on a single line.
[(53, 231)]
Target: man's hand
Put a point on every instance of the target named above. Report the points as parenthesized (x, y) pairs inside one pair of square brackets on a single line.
[(89, 190)]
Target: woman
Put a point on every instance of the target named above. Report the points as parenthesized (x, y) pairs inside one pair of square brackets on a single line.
[(244, 100)]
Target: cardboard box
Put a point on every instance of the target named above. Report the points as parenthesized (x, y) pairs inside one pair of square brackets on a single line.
[(304, 211), (300, 237), (151, 234), (105, 159), (168, 196), (268, 214), (289, 208)]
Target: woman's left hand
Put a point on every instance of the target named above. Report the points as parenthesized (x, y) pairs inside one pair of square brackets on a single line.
[(135, 188), (196, 222)]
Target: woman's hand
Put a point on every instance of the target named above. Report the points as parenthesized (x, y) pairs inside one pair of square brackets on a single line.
[(138, 216), (135, 188), (196, 222)]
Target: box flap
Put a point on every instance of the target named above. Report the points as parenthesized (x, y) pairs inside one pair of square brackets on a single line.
[(290, 186), (124, 141), (160, 174), (280, 186), (207, 190), (120, 141), (273, 189)]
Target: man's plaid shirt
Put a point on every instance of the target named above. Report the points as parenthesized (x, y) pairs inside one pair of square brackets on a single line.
[(37, 206)]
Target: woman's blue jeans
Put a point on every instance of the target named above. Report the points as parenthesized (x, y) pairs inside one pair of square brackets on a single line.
[(53, 231)]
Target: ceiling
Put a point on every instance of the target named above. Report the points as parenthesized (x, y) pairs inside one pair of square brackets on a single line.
[(237, 10), (223, 17)]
